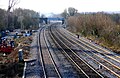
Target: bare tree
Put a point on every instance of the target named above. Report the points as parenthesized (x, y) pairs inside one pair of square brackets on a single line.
[(11, 4)]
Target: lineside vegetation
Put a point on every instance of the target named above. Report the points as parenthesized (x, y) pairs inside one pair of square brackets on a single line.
[(19, 19), (101, 27)]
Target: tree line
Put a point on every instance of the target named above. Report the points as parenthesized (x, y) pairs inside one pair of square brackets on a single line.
[(100, 26), (18, 18)]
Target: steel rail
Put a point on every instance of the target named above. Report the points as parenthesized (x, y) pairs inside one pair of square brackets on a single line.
[(98, 61), (54, 64), (80, 59), (96, 48), (102, 53), (40, 51), (94, 53), (68, 55)]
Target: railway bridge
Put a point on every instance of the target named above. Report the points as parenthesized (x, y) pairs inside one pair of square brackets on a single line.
[(47, 20)]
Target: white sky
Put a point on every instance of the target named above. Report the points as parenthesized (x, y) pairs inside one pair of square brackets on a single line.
[(58, 6)]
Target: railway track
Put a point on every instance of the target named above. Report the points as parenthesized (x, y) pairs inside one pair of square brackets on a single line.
[(101, 61), (83, 60), (48, 64), (105, 52), (65, 67), (108, 55), (83, 67)]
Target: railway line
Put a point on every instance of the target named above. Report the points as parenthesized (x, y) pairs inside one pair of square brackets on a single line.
[(97, 48), (80, 64), (48, 64), (62, 55), (65, 67), (107, 57), (106, 64)]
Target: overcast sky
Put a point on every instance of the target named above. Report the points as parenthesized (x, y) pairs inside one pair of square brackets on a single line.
[(58, 6)]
